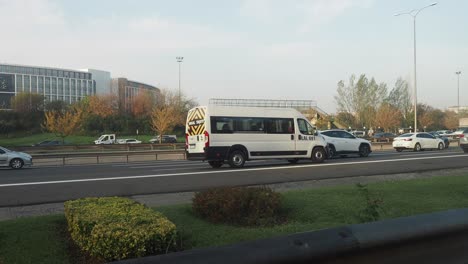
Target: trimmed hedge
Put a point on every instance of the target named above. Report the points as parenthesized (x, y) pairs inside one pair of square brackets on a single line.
[(238, 205), (114, 228)]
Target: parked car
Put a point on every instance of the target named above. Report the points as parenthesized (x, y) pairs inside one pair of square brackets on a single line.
[(341, 143), (13, 159), (417, 141), (383, 137), (444, 138), (165, 139), (128, 141)]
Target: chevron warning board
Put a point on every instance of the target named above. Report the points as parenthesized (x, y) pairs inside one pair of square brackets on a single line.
[(196, 121)]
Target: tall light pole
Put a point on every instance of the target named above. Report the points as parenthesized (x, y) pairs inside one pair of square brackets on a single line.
[(414, 13), (458, 88), (179, 60)]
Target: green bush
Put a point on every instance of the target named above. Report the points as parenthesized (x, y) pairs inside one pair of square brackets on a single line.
[(238, 205), (114, 228)]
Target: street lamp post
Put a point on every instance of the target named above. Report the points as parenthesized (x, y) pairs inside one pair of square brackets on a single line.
[(458, 88), (414, 13), (179, 60)]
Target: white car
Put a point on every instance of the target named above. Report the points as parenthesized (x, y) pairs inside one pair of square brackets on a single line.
[(128, 141), (13, 159), (342, 143), (417, 142)]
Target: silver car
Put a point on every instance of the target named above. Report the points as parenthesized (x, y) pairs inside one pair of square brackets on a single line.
[(13, 159)]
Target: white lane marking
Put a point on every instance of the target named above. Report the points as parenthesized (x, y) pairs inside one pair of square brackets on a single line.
[(197, 163), (168, 165), (289, 167), (414, 153), (155, 163)]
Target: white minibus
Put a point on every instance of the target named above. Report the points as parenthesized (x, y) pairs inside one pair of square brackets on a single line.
[(223, 134)]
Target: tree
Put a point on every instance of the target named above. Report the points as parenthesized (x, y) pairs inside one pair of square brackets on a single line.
[(143, 103), (360, 98), (163, 119), (27, 102), (451, 120), (387, 117), (400, 98), (56, 106), (103, 105), (347, 119), (426, 116), (181, 104), (63, 124)]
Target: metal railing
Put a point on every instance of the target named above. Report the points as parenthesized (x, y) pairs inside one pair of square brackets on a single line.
[(100, 148)]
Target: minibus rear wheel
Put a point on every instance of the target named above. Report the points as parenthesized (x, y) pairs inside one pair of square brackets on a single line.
[(237, 159)]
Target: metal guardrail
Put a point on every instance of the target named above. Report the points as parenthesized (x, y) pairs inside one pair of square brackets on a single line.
[(64, 157), (430, 238), (101, 148)]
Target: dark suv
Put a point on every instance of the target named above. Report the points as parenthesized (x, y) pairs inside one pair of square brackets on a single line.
[(165, 139), (464, 140)]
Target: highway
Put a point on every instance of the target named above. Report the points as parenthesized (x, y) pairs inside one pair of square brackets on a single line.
[(46, 184)]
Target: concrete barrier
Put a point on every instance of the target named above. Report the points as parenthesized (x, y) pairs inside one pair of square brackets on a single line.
[(430, 238)]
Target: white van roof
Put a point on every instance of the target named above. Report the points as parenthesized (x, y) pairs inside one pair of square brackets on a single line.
[(243, 111)]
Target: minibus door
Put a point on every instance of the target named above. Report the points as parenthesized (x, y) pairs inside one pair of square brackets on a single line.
[(304, 137)]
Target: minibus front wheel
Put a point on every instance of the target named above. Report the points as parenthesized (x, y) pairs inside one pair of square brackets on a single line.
[(318, 155)]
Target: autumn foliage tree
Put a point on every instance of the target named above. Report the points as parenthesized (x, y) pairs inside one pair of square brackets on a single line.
[(387, 117), (143, 103), (103, 105), (63, 124), (451, 120), (163, 119), (168, 113)]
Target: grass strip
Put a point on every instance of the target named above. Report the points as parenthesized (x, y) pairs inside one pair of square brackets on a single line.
[(42, 240)]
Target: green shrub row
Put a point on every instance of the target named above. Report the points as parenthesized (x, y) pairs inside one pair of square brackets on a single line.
[(238, 205), (114, 228)]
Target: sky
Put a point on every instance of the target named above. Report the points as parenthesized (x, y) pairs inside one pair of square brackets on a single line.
[(259, 49)]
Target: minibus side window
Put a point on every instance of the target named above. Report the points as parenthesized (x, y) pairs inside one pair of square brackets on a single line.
[(222, 125)]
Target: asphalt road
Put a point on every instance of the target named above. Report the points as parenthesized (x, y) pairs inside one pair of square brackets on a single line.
[(44, 184)]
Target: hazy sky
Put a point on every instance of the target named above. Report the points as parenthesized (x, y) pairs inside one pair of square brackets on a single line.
[(295, 49)]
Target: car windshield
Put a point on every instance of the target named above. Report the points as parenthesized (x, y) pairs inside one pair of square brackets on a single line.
[(5, 149)]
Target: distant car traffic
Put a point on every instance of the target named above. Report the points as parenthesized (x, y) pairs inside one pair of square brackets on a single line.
[(444, 132), (341, 143), (128, 141), (165, 139), (444, 138), (459, 132), (358, 133), (51, 143), (383, 137), (13, 159), (417, 142), (464, 142)]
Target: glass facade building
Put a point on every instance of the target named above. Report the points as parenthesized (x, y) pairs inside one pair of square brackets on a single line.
[(66, 85), (54, 84), (127, 90)]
